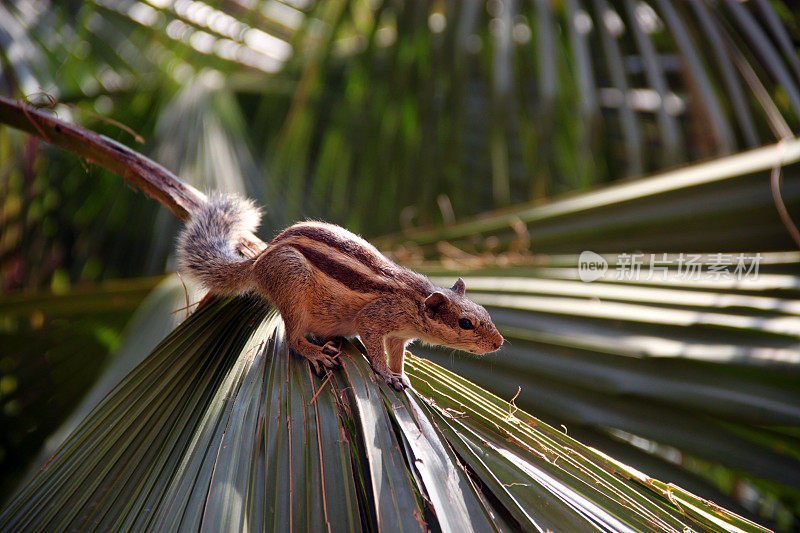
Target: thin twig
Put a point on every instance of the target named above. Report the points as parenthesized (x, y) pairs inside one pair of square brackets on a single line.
[(186, 308), (186, 292), (108, 120), (27, 111), (52, 102), (327, 379), (779, 127), (780, 207)]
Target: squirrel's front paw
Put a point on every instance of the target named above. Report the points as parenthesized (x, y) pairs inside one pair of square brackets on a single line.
[(322, 362), (397, 381)]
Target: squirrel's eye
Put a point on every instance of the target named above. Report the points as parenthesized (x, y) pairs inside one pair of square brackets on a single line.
[(465, 323)]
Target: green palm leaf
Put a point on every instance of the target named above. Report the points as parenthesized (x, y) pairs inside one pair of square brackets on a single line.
[(222, 427), (698, 373)]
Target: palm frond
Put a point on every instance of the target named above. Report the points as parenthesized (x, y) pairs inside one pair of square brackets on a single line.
[(166, 305), (699, 372), (222, 427), (697, 208)]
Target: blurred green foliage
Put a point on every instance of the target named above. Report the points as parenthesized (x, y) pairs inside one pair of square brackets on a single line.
[(54, 347), (375, 115)]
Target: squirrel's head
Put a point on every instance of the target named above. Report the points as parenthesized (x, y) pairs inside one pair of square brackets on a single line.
[(454, 320)]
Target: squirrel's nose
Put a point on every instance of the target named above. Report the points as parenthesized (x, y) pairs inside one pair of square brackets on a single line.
[(497, 343)]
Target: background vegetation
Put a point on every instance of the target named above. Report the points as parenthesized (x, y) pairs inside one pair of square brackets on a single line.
[(449, 132)]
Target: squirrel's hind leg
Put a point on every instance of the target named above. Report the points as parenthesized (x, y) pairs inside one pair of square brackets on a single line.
[(284, 276), (321, 358)]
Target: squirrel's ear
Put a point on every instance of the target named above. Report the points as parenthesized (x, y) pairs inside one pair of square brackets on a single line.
[(434, 303), (459, 287)]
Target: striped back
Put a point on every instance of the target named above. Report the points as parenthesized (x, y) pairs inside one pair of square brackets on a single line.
[(351, 261)]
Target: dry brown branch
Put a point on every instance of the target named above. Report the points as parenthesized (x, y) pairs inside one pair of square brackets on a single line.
[(147, 175)]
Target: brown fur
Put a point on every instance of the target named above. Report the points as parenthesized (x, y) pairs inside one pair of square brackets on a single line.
[(330, 283)]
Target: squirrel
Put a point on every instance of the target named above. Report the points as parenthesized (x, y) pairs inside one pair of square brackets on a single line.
[(329, 283)]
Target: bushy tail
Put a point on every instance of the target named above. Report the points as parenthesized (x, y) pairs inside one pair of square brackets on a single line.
[(206, 246)]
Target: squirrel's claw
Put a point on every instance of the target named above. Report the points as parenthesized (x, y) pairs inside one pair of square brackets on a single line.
[(323, 362), (332, 347), (398, 382)]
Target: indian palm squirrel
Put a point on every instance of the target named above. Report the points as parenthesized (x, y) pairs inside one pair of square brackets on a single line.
[(329, 283)]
